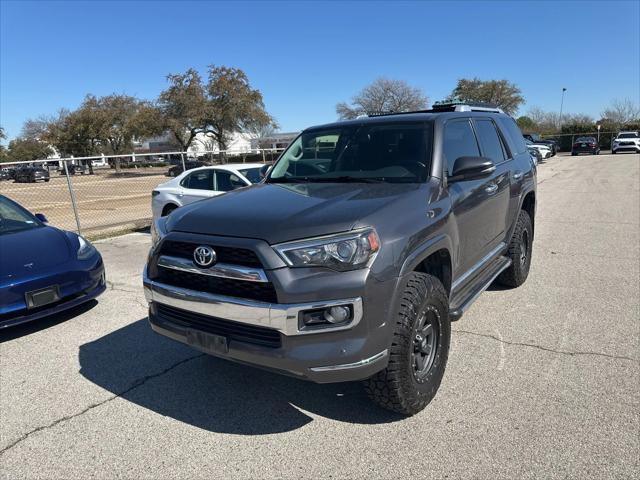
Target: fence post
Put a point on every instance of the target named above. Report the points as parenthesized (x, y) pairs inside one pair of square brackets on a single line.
[(264, 160), (184, 168), (73, 197)]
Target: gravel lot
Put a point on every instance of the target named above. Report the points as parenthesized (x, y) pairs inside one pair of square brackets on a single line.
[(105, 200), (542, 382)]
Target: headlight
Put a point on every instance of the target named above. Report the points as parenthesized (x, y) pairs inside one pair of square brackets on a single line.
[(157, 231), (86, 249), (347, 251)]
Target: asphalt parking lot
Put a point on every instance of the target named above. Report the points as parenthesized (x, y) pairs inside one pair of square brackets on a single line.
[(542, 381)]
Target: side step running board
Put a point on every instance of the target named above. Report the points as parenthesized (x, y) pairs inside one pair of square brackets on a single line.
[(496, 268)]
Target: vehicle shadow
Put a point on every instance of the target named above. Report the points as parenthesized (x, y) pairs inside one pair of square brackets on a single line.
[(214, 394), (17, 331)]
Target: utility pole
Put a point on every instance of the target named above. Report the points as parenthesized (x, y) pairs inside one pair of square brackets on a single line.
[(561, 105)]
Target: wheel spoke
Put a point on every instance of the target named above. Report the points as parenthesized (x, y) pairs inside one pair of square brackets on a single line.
[(420, 360), (427, 330)]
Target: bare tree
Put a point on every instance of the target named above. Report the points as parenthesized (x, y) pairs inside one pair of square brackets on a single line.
[(383, 95), (622, 111)]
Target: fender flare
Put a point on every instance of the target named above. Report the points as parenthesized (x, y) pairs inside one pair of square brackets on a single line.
[(423, 250)]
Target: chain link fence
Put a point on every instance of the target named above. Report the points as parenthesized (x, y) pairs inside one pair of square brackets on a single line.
[(106, 195)]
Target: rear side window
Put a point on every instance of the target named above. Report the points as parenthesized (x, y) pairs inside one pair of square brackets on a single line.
[(512, 133), (227, 181), (201, 180), (489, 141), (459, 141)]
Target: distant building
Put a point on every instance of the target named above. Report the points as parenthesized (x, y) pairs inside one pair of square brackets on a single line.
[(278, 140)]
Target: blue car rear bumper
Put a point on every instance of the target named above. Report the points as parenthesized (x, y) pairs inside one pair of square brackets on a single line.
[(78, 283)]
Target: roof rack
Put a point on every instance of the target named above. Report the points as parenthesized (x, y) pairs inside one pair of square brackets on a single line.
[(453, 106), (459, 106)]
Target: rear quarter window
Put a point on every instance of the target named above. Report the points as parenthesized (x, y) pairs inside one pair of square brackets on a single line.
[(512, 134)]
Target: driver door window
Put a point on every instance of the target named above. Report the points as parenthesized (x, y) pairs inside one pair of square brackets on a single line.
[(459, 141)]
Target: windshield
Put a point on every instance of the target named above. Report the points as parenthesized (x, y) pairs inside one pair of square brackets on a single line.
[(251, 174), (628, 135), (14, 218), (392, 152)]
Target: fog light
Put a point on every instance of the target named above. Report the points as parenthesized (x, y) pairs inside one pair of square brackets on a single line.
[(336, 314)]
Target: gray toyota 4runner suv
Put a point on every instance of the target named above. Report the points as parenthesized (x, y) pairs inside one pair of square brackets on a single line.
[(350, 260)]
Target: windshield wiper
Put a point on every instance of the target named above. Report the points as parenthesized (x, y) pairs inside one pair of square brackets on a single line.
[(289, 180), (350, 179)]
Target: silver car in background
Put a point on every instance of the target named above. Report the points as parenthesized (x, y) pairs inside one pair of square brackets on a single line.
[(200, 183)]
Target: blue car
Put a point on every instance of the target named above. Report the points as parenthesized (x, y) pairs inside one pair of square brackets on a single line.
[(43, 270)]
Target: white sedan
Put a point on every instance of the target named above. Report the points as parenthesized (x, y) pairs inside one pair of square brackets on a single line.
[(200, 183), (545, 150)]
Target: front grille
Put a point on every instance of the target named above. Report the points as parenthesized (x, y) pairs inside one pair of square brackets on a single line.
[(239, 332), (260, 291), (232, 255)]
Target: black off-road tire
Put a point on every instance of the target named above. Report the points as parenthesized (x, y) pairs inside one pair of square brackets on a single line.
[(397, 387), (520, 250)]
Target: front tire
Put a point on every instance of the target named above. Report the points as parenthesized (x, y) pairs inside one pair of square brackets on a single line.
[(520, 250), (419, 349)]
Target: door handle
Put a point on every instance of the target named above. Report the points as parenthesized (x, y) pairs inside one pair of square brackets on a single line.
[(517, 175), (491, 188)]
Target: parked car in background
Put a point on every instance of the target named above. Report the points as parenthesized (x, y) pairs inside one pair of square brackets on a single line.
[(4, 174), (535, 138), (204, 182), (535, 155), (74, 169), (191, 164), (585, 145), (31, 174), (542, 149), (43, 270), (626, 142)]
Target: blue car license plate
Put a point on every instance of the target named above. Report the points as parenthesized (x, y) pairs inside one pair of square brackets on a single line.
[(44, 296)]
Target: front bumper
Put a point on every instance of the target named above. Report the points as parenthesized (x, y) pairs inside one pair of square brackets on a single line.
[(352, 352), (626, 148), (76, 287)]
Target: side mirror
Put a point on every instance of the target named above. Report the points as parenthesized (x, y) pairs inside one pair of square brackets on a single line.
[(41, 217), (470, 168)]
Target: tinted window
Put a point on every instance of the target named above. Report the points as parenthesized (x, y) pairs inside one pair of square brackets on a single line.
[(227, 181), (14, 218), (513, 134), (393, 152), (201, 180), (489, 141), (251, 174), (459, 141)]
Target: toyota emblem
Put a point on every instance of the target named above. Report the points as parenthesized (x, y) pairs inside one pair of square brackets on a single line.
[(204, 256)]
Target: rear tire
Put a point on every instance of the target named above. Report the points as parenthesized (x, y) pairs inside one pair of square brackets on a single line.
[(419, 349), (520, 250)]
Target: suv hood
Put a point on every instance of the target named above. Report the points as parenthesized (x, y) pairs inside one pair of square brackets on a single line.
[(283, 212)]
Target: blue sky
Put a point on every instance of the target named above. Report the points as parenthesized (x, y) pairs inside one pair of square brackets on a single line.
[(305, 57)]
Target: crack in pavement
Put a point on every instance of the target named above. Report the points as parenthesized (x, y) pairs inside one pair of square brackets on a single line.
[(546, 349), (136, 384), (112, 286)]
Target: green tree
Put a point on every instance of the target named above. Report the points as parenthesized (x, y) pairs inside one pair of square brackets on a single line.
[(3, 150), (525, 123), (502, 93), (183, 107), (233, 105), (27, 149), (383, 95)]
